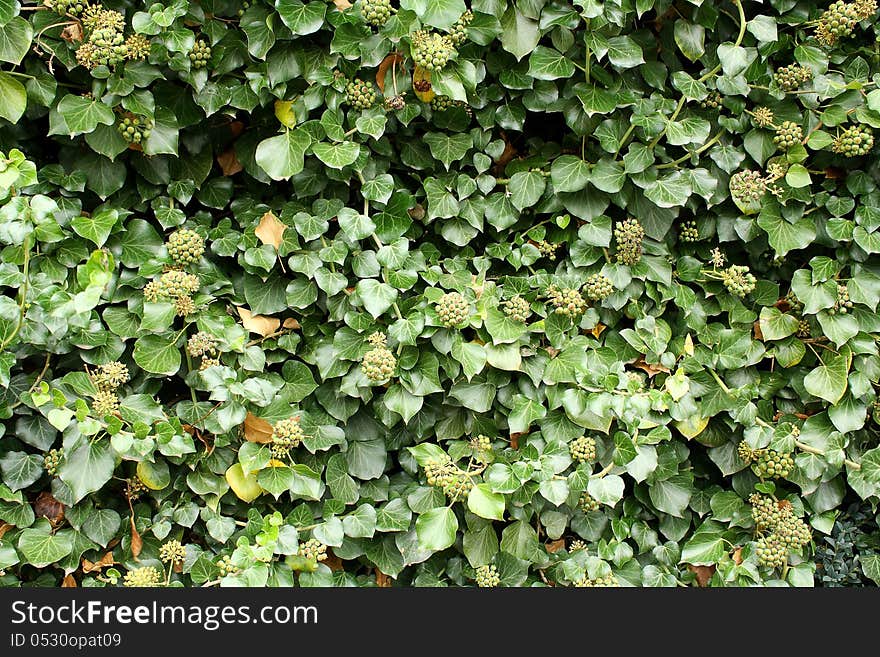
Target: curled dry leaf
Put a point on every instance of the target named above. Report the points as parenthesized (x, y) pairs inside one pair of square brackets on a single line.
[(97, 566), (260, 324), (703, 574), (68, 582), (46, 506), (137, 543), (342, 5), (270, 230), (256, 429), (229, 163), (72, 33), (387, 63)]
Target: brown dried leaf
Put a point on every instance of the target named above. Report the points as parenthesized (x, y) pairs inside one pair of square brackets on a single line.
[(104, 562), (291, 323), (137, 543), (5, 527), (382, 580), (270, 230), (342, 5), (260, 324), (651, 368), (514, 440), (506, 156), (737, 556), (68, 582), (759, 334), (333, 562), (555, 546), (597, 330), (48, 507), (703, 573), (389, 60), (229, 163), (257, 430), (72, 33)]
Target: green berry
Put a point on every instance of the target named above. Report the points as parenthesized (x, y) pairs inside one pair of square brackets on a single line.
[(787, 135), (789, 78), (200, 54), (629, 235), (583, 449), (688, 231), (517, 308), (854, 141), (52, 460), (376, 12), (360, 94), (431, 50), (598, 287), (287, 434), (487, 577), (185, 246), (453, 309)]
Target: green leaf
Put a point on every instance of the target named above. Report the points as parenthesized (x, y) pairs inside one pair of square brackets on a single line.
[(798, 176), (157, 354), (829, 380), (436, 13), (97, 227), (376, 297), (40, 547), (519, 33), (15, 40), (337, 155), (783, 235), (706, 547), (690, 38), (20, 469), (436, 529), (83, 115), (301, 18), (526, 188), (485, 503), (448, 148), (671, 191), (775, 325), (624, 52), (87, 468), (569, 173), (549, 64), (283, 156), (13, 98)]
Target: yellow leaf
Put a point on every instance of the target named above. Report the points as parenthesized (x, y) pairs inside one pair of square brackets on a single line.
[(270, 230), (342, 5), (284, 113), (422, 78), (148, 475), (244, 486), (261, 324), (257, 430), (692, 426)]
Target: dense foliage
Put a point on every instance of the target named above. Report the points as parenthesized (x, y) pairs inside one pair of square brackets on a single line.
[(520, 293)]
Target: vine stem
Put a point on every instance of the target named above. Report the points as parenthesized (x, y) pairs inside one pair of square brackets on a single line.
[(604, 471), (26, 245), (690, 154)]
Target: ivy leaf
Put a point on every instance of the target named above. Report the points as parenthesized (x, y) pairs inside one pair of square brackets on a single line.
[(377, 297), (157, 354), (776, 325), (671, 191), (97, 227), (549, 64), (283, 156), (706, 547), (526, 188), (436, 528), (337, 156), (569, 173), (829, 380), (519, 33), (87, 468), (40, 547), (783, 235), (485, 503), (20, 469), (448, 148), (83, 115), (13, 98), (15, 40), (690, 39), (624, 52), (301, 18)]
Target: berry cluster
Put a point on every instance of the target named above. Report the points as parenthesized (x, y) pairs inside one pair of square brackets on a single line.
[(688, 231), (842, 304), (226, 567), (517, 308), (781, 531), (487, 577), (587, 503), (313, 550), (762, 117), (52, 460), (67, 7), (629, 235), (431, 50), (566, 301), (185, 247), (608, 580), (738, 280), (712, 101), (458, 31), (378, 363), (134, 129), (598, 287), (547, 249), (203, 345), (452, 480), (360, 94), (787, 135), (107, 378), (105, 43), (789, 78), (177, 286), (452, 309), (144, 577), (583, 449), (838, 22), (481, 443), (376, 12), (172, 552), (854, 141), (748, 186), (200, 54), (766, 463), (134, 488), (287, 434)]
